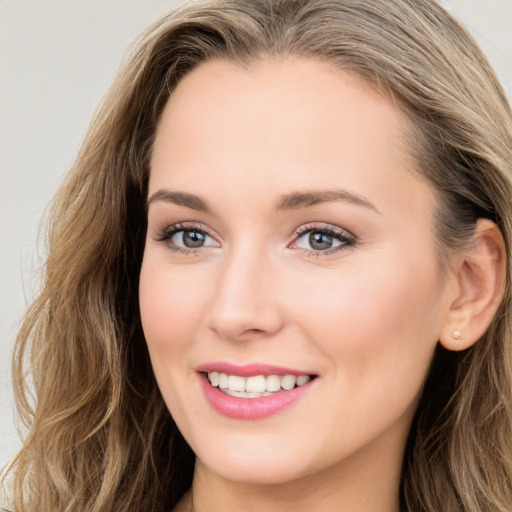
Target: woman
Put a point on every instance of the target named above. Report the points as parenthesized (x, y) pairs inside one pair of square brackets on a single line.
[(279, 273)]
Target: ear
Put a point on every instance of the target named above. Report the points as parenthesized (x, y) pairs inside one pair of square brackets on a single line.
[(480, 281)]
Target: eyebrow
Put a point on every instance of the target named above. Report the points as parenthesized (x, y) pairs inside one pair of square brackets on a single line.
[(291, 201), (296, 200), (179, 198)]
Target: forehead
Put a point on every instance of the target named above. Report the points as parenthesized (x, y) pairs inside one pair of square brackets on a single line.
[(280, 124), (280, 97)]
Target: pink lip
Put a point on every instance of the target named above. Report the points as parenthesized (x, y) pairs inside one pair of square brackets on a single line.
[(248, 370), (251, 408)]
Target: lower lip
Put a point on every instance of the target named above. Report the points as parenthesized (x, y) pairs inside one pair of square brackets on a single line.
[(251, 408)]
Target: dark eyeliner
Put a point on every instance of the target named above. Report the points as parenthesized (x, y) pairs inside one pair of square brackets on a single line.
[(343, 236), (165, 235)]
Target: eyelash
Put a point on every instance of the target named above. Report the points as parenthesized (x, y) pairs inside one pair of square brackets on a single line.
[(167, 233), (345, 238)]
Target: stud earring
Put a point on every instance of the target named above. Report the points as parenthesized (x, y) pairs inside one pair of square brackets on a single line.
[(457, 335)]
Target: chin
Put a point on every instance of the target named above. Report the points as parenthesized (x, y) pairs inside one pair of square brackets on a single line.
[(272, 472), (267, 461)]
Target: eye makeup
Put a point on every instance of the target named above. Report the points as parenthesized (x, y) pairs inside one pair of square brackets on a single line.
[(322, 239), (314, 239)]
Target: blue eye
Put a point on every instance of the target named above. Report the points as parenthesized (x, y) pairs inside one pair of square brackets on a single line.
[(192, 239), (181, 238), (322, 239), (321, 242)]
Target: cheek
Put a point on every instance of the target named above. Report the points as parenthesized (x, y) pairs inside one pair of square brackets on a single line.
[(373, 320), (171, 307), (171, 312)]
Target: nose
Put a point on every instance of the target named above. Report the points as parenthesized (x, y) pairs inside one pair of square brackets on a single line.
[(245, 303)]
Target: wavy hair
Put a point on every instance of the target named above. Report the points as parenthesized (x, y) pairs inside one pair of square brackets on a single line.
[(99, 437)]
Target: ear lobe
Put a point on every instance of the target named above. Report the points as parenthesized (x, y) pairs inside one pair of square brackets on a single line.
[(480, 276)]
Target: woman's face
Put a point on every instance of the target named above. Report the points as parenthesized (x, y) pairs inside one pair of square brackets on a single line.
[(289, 240)]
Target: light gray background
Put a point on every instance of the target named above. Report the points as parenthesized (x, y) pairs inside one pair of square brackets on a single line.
[(57, 58)]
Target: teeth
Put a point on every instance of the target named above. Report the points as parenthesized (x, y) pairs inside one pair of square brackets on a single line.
[(303, 379), (223, 380), (288, 382), (273, 383), (214, 378), (244, 394), (256, 386), (236, 383)]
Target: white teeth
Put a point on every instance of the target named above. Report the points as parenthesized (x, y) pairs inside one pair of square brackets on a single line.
[(236, 383), (255, 386), (273, 383), (244, 394), (288, 382), (303, 379), (214, 378), (223, 380)]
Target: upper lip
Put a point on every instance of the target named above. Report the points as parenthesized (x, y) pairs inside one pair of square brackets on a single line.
[(248, 370)]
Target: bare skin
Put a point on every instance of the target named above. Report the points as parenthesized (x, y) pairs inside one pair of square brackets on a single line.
[(362, 311)]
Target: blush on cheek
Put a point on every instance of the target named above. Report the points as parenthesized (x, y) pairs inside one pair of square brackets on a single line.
[(170, 310), (361, 316)]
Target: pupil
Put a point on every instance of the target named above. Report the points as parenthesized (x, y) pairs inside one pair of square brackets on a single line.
[(193, 238), (320, 241)]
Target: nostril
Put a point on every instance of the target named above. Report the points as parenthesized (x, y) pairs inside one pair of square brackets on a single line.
[(252, 332)]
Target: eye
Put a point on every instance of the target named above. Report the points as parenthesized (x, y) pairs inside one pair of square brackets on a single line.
[(319, 241), (322, 240), (190, 238), (185, 239)]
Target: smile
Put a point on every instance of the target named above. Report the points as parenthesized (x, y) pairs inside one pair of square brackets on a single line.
[(256, 386), (252, 392)]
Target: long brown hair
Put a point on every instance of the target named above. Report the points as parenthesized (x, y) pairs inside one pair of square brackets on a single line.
[(99, 435)]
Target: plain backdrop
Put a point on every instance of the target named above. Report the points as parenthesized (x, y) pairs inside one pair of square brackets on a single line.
[(57, 58)]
